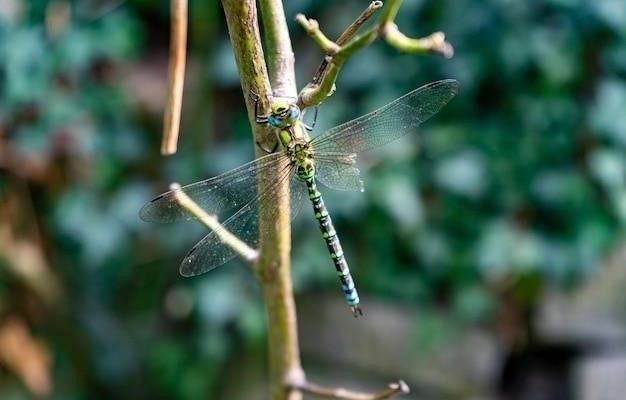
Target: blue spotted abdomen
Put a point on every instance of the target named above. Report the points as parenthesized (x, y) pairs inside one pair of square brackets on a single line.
[(332, 242)]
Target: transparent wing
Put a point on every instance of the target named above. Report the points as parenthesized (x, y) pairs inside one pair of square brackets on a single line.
[(221, 196), (389, 122), (338, 171), (211, 252)]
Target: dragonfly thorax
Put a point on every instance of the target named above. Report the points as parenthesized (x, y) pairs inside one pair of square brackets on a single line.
[(301, 155)]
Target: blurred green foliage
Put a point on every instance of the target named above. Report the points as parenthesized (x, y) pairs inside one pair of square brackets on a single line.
[(517, 184)]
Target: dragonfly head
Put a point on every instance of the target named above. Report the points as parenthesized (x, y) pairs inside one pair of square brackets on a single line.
[(284, 114)]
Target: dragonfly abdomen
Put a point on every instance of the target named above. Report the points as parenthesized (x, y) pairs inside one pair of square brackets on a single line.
[(334, 246)]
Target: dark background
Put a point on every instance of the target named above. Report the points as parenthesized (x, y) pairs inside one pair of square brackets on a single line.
[(488, 249)]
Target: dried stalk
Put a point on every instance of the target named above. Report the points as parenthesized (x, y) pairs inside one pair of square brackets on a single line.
[(176, 77)]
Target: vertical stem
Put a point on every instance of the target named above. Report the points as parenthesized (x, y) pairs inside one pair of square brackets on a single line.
[(278, 44), (241, 18), (273, 267), (282, 324)]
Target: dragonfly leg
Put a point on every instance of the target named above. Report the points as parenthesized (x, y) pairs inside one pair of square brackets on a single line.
[(261, 119), (356, 311), (310, 127)]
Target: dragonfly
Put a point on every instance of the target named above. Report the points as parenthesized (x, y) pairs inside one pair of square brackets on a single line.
[(330, 158)]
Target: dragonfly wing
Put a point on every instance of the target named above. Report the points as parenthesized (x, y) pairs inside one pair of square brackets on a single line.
[(298, 192), (221, 196), (338, 171), (389, 122), (211, 251)]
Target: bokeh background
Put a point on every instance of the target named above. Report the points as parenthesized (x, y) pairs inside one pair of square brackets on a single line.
[(489, 250)]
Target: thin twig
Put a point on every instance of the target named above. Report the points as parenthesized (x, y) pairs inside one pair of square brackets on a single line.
[(312, 28), (435, 42), (347, 34), (351, 47), (352, 29), (323, 83), (176, 79), (211, 222), (393, 389), (390, 12)]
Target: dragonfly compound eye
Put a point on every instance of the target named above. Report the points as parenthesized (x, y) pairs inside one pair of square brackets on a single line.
[(280, 107), (294, 112)]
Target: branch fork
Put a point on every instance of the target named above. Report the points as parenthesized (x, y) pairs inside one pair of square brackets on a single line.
[(323, 83)]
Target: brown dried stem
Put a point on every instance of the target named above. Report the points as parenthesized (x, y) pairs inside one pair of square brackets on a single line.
[(176, 76)]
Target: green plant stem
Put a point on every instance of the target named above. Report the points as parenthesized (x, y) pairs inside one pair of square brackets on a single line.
[(280, 56), (273, 266), (323, 83), (241, 18), (275, 274), (390, 12), (312, 28), (358, 43), (353, 28), (316, 92), (435, 42)]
